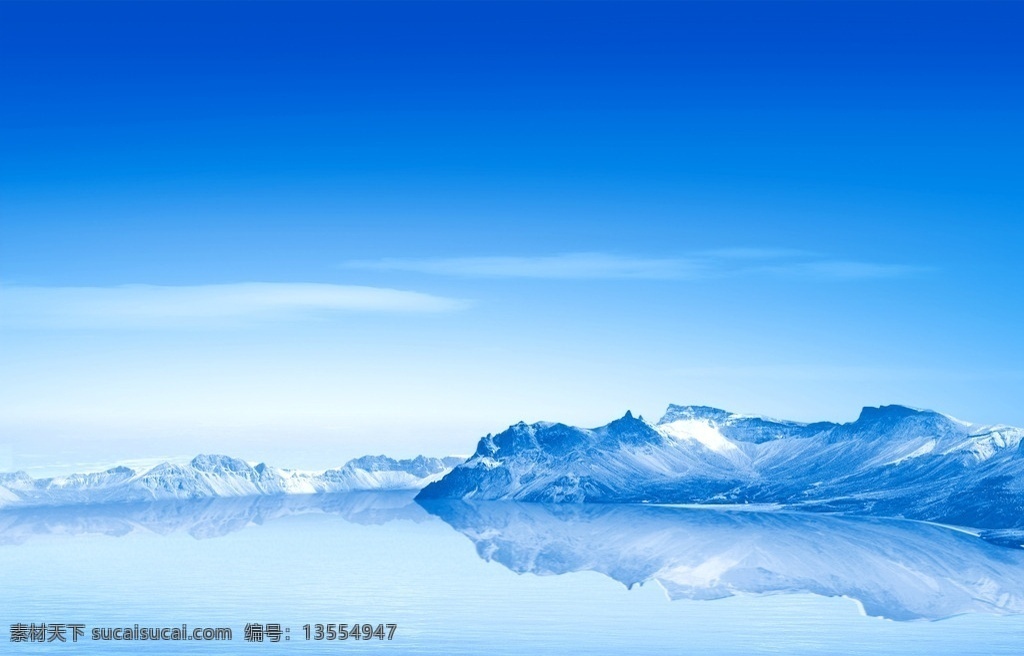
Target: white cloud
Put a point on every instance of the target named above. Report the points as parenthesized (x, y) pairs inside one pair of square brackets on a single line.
[(575, 266), (131, 306), (604, 266), (842, 373), (742, 253), (845, 270)]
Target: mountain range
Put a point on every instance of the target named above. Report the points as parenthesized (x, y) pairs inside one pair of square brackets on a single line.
[(212, 476), (892, 461)]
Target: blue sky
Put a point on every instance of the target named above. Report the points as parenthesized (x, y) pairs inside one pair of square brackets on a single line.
[(304, 231)]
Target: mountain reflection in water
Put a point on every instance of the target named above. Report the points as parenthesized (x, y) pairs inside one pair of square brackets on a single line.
[(896, 569)]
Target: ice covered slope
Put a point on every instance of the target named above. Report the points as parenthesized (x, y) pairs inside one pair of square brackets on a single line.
[(892, 461), (212, 476)]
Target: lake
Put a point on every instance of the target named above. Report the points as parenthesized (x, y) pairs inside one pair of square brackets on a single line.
[(507, 578)]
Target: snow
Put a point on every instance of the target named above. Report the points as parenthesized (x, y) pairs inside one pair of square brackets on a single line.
[(7, 497), (702, 432), (965, 424), (891, 461), (986, 442), (212, 476), (687, 459), (922, 450)]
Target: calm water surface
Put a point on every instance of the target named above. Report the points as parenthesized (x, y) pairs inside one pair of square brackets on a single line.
[(502, 578)]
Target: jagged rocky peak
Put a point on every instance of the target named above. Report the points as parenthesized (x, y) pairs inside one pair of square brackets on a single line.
[(892, 461), (627, 423), (557, 439), (628, 430)]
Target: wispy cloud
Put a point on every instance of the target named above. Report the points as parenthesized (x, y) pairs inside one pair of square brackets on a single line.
[(570, 266), (131, 306), (742, 253), (840, 270), (605, 266), (844, 373)]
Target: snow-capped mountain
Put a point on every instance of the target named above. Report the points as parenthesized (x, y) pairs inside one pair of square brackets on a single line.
[(898, 569), (211, 476), (892, 461)]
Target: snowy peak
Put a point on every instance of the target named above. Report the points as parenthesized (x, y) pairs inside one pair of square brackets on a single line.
[(15, 478), (561, 439), (216, 476), (556, 462), (217, 464), (540, 437), (694, 412), (740, 428), (699, 431), (419, 466), (97, 479), (892, 461), (627, 430)]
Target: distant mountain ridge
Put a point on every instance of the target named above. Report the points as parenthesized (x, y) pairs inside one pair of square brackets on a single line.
[(892, 461), (214, 476)]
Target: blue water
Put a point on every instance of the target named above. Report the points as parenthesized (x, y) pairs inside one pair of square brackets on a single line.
[(509, 578)]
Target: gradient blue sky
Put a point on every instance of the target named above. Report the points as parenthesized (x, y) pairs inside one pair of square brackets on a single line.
[(300, 232)]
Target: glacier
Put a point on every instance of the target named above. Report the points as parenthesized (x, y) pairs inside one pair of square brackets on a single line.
[(218, 476), (892, 461)]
